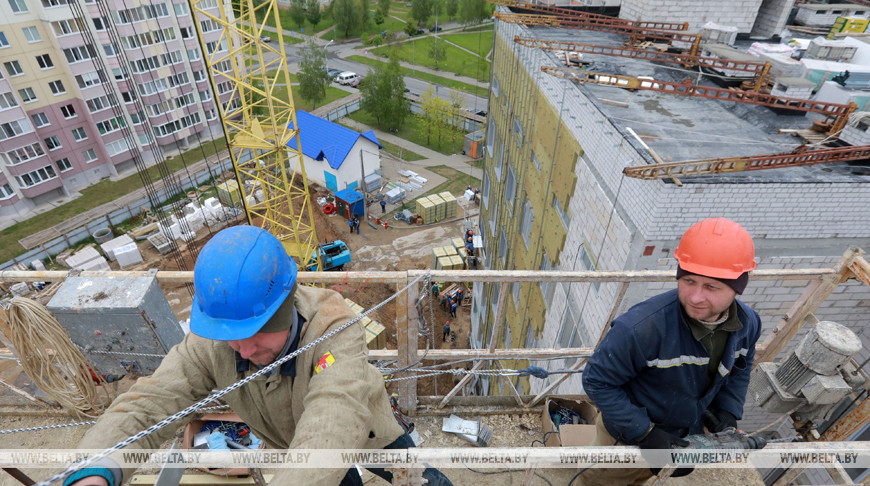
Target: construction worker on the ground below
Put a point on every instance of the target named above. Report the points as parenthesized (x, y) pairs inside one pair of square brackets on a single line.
[(680, 361), (248, 312), (453, 306), (446, 331), (383, 206)]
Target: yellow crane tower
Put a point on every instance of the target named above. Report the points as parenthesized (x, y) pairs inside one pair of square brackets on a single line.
[(258, 125)]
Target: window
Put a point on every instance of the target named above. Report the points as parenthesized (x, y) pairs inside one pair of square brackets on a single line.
[(490, 137), (38, 176), (147, 64), (193, 54), (56, 87), (536, 162), (6, 191), (148, 38), (187, 32), (110, 50), (174, 126), (27, 95), (79, 134), (52, 143), (117, 147), (54, 3), (493, 218), (588, 264), (510, 187), (68, 111), (139, 14), (79, 53), (503, 248), (485, 191), (3, 41), (499, 158), (528, 219), (14, 129), (210, 114), (18, 6), (208, 25), (63, 164), (111, 125), (181, 8), (67, 27), (7, 100), (87, 80), (119, 73), (547, 288), (89, 155), (569, 335), (99, 103), (23, 154), (31, 34), (44, 61), (515, 293), (99, 23), (137, 118), (40, 120), (564, 215), (518, 132), (495, 86), (13, 68), (199, 76), (128, 96)]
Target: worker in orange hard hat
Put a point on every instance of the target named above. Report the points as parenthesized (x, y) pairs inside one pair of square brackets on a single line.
[(678, 362)]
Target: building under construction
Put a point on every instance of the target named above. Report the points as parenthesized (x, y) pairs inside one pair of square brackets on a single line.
[(590, 178)]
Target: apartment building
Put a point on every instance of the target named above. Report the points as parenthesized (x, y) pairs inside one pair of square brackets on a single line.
[(87, 85)]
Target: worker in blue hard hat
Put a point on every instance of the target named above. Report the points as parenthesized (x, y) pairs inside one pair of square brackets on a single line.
[(247, 313)]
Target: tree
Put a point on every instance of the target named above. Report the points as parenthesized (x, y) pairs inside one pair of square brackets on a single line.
[(383, 94), (421, 10), (384, 7), (410, 28), (312, 12), (344, 13), (457, 116), (473, 11), (379, 17), (297, 12), (434, 118), (451, 6), (365, 13), (313, 78), (437, 52)]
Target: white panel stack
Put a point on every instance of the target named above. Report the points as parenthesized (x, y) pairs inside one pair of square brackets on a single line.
[(128, 255), (88, 259), (110, 246)]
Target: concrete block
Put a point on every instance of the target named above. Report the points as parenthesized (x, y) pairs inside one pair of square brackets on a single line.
[(128, 255)]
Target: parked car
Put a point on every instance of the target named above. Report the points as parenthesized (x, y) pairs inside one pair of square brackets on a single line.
[(420, 31), (435, 28), (333, 74), (265, 38), (356, 82)]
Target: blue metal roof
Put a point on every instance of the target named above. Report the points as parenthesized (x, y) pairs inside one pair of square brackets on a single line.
[(323, 139), (349, 195)]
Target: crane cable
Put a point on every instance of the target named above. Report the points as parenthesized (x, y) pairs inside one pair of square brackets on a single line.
[(52, 361)]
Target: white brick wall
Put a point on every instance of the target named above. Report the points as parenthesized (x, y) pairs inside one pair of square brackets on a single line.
[(771, 18), (736, 13), (854, 136), (827, 17)]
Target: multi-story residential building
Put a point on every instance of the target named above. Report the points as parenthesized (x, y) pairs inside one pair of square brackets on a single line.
[(87, 85), (554, 196)]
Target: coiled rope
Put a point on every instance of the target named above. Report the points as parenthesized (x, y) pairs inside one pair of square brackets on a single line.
[(52, 361)]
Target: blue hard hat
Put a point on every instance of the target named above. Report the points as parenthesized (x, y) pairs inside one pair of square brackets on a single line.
[(242, 276)]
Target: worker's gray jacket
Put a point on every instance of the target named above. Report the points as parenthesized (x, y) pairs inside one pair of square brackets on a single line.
[(344, 406)]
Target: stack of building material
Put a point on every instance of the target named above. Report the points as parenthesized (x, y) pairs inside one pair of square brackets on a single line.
[(457, 262), (395, 195), (229, 194), (128, 255), (87, 259), (437, 253), (425, 209), (457, 243), (375, 336), (110, 246), (438, 203), (160, 242), (450, 204)]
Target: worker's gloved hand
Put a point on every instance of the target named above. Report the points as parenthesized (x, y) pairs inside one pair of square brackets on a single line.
[(718, 420), (659, 439)]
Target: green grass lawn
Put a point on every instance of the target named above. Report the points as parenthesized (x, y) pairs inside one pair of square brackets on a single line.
[(457, 61), (93, 196), (332, 94), (448, 82), (479, 42), (287, 38), (400, 152), (448, 145), (288, 24), (456, 182)]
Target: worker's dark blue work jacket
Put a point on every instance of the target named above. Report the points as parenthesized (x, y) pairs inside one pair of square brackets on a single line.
[(650, 368)]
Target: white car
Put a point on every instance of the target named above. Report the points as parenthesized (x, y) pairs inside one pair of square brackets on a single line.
[(347, 78)]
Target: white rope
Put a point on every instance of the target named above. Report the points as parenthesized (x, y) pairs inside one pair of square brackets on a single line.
[(218, 394)]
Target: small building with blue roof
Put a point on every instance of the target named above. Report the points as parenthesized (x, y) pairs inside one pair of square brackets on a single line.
[(336, 157)]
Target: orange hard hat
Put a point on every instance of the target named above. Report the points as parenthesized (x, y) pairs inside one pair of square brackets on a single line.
[(716, 248)]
